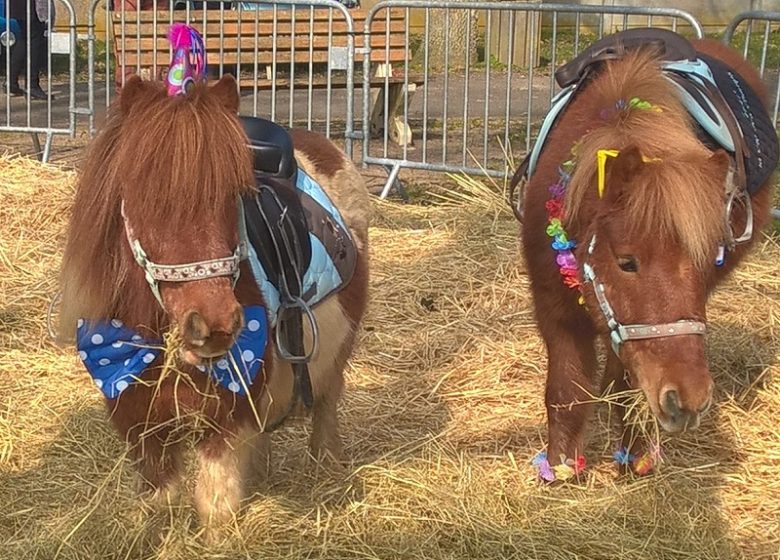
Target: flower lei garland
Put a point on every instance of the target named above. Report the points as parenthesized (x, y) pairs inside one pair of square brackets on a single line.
[(569, 468), (564, 246), (569, 271), (633, 103)]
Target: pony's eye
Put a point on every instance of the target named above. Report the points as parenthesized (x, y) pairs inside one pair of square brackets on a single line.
[(628, 264)]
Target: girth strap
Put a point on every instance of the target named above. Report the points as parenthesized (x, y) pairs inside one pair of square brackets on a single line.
[(285, 251)]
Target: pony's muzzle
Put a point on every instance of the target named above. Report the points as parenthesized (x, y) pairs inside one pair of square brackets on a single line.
[(681, 414), (211, 338)]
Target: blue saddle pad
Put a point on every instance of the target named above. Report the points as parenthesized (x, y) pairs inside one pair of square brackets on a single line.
[(758, 129), (321, 238)]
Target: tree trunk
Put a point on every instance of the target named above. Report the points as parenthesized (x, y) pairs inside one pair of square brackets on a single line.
[(452, 39)]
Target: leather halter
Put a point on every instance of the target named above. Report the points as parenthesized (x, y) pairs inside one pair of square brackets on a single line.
[(188, 272), (619, 333)]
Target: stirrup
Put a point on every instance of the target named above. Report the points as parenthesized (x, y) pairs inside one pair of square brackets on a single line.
[(291, 306)]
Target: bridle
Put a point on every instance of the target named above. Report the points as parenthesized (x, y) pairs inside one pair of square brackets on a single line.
[(192, 271), (619, 333)]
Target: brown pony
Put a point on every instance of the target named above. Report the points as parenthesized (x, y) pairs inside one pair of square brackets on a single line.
[(648, 245), (175, 167)]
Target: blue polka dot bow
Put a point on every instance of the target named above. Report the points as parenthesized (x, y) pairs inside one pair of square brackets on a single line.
[(116, 355)]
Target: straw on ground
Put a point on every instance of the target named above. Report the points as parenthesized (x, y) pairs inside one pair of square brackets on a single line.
[(442, 414)]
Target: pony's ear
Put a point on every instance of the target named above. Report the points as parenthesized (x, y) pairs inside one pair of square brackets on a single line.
[(130, 93), (620, 171), (226, 90)]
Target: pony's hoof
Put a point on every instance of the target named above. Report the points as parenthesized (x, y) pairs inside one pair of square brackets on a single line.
[(331, 460), (156, 498), (214, 535)]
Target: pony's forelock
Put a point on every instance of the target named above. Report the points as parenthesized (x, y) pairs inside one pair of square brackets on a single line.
[(672, 199), (171, 160)]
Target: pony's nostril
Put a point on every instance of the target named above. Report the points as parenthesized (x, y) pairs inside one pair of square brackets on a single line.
[(196, 331), (670, 401)]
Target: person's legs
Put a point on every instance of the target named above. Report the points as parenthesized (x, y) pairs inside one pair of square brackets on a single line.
[(18, 57), (37, 55)]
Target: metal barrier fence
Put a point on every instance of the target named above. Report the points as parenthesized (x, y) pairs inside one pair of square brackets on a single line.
[(28, 49), (428, 102), (480, 103), (294, 61)]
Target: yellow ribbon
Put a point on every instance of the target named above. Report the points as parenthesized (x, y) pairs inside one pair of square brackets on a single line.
[(601, 160)]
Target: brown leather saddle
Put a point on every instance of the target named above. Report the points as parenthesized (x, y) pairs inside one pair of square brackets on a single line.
[(667, 44)]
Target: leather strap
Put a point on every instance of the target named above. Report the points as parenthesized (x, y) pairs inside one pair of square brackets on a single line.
[(518, 179)]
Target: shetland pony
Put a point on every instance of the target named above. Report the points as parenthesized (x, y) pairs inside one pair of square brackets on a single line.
[(646, 248), (168, 172)]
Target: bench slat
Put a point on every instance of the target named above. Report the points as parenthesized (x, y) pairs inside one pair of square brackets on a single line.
[(320, 82), (299, 44), (303, 14), (249, 28), (263, 58), (139, 43)]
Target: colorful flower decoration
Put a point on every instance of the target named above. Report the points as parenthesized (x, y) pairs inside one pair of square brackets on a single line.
[(566, 469), (633, 103), (561, 244), (642, 464)]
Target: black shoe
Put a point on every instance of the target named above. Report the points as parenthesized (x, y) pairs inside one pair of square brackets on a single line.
[(14, 90), (37, 93)]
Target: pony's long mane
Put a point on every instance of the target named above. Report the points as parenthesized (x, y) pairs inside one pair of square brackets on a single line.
[(673, 199), (172, 160)]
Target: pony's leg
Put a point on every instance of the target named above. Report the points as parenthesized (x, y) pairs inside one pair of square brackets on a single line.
[(616, 382), (225, 463), (159, 464), (571, 370), (325, 442), (327, 378)]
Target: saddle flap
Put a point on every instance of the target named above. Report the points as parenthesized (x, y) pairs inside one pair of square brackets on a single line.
[(670, 46), (272, 147), (278, 231)]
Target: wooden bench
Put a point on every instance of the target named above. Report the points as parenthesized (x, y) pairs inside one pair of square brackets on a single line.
[(248, 40)]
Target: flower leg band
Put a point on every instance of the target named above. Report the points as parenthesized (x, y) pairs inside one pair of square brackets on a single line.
[(569, 468), (641, 464), (566, 469)]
